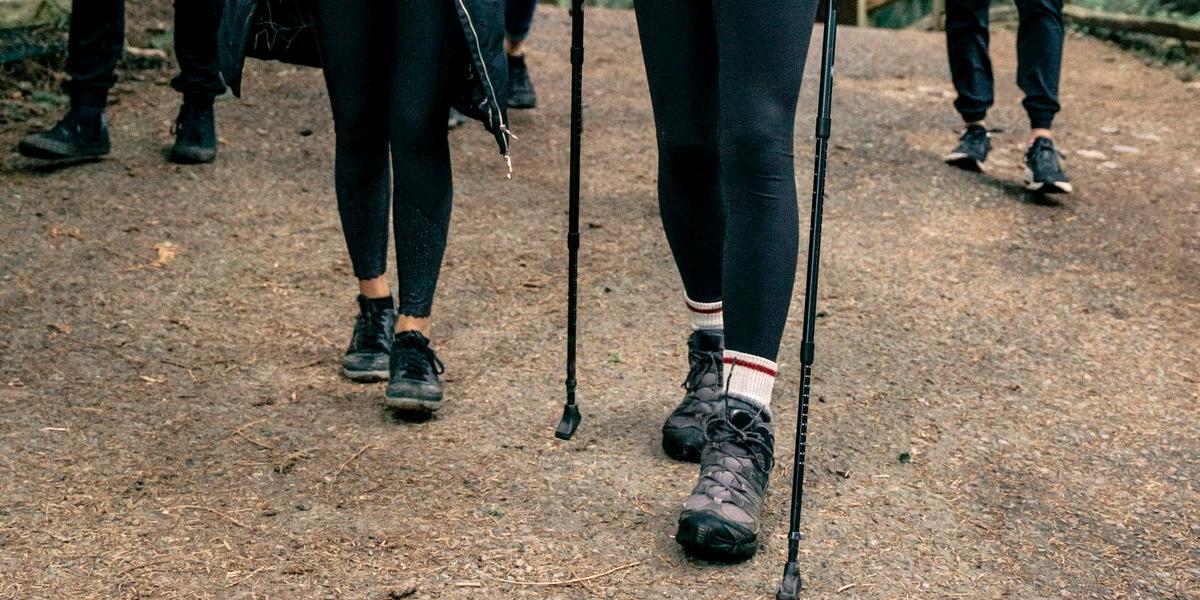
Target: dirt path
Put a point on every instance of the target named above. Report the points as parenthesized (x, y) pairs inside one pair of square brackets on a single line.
[(182, 431)]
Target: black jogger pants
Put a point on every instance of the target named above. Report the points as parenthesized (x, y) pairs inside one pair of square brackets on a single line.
[(389, 69), (724, 79), (1039, 57), (97, 39)]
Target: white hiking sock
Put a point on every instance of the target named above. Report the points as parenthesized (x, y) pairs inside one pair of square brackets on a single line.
[(749, 377), (705, 315)]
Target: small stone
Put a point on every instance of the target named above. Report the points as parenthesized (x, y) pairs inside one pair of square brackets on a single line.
[(1120, 149), (1091, 154), (1108, 164), (1110, 129), (1149, 137)]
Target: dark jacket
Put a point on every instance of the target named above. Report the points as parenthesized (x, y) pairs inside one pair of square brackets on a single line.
[(284, 30)]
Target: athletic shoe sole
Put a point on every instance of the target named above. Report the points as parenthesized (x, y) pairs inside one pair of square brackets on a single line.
[(51, 150), (522, 105), (1049, 187), (708, 537), (193, 156), (964, 162), (365, 376), (405, 403)]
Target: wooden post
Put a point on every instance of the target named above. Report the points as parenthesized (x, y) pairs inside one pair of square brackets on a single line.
[(860, 14)]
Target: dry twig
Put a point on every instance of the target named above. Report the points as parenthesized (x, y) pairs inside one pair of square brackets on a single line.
[(167, 511), (566, 581)]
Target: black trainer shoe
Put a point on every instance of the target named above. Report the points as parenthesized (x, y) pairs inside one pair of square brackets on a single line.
[(683, 433), (82, 133), (972, 150), (414, 384), (1042, 171), (370, 350), (720, 520), (195, 135), (520, 88)]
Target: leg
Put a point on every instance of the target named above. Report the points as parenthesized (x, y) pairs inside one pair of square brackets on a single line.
[(1039, 58), (96, 41), (761, 50), (518, 18), (970, 67), (761, 64), (196, 23), (679, 49), (422, 49), (349, 34)]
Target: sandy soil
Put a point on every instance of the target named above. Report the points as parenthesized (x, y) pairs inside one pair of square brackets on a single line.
[(179, 428)]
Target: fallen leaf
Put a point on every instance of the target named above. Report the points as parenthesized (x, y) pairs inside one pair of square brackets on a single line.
[(60, 231), (166, 253)]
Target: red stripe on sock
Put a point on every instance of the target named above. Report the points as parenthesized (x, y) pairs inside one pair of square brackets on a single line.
[(704, 311), (750, 365)]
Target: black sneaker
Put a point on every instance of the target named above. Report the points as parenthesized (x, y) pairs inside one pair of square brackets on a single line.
[(414, 384), (720, 520), (683, 432), (1042, 171), (195, 135), (82, 133), (366, 359), (972, 150), (520, 88)]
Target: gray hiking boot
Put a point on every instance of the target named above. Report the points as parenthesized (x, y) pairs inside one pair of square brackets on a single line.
[(683, 432), (720, 520)]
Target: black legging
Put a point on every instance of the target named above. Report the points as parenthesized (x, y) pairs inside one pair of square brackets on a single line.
[(388, 71), (724, 77)]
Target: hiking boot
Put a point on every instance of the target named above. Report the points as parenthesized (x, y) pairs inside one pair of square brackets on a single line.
[(720, 520), (520, 88), (195, 135), (82, 133), (972, 150), (367, 358), (683, 432), (1042, 171), (414, 384)]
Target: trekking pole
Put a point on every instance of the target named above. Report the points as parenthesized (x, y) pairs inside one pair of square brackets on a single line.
[(571, 417), (789, 588)]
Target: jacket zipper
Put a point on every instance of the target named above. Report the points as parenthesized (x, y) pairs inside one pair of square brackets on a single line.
[(487, 77)]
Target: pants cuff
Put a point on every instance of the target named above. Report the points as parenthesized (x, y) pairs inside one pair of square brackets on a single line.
[(973, 117), (1041, 120)]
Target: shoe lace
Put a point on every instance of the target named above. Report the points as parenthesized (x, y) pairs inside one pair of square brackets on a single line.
[(370, 330), (703, 363), (418, 357), (719, 429)]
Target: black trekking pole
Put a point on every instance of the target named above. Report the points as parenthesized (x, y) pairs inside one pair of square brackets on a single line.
[(789, 588), (571, 417)]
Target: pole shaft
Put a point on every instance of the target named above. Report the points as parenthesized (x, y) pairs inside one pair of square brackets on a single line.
[(812, 270), (573, 202)]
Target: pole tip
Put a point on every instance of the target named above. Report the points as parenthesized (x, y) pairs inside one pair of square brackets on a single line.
[(789, 588), (569, 422)]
